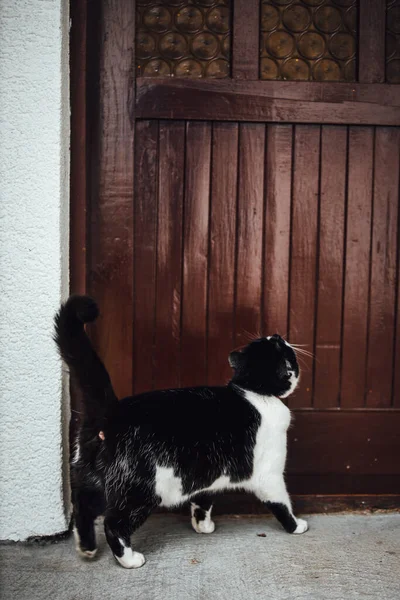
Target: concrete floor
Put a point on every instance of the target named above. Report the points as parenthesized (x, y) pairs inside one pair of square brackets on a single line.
[(342, 557)]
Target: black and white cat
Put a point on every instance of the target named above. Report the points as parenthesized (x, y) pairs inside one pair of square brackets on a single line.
[(163, 448)]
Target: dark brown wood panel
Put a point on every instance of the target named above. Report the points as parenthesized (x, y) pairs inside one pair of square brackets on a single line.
[(167, 341), (249, 232), (78, 178), (334, 483), (278, 185), (195, 254), (396, 353), (330, 267), (111, 235), (247, 217), (357, 261), (221, 295), (375, 443), (246, 35), (371, 54), (383, 279), (145, 253), (277, 101), (242, 503), (303, 259)]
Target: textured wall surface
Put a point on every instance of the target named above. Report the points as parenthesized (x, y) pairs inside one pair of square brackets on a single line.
[(34, 150)]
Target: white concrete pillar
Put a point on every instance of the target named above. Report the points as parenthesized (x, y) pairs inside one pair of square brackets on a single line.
[(34, 233)]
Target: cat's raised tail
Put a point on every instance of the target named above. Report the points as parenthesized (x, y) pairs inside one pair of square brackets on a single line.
[(86, 369)]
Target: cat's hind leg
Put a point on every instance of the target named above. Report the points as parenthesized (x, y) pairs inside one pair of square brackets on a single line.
[(120, 522), (88, 504), (201, 507), (276, 497)]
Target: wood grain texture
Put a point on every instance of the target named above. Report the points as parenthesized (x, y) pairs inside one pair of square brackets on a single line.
[(342, 484), (195, 254), (303, 259), (221, 295), (365, 443), (383, 279), (262, 101), (330, 267), (371, 54), (276, 263), (78, 174), (111, 235), (167, 342), (245, 39), (357, 266), (303, 91), (396, 353), (308, 503), (145, 253), (249, 232)]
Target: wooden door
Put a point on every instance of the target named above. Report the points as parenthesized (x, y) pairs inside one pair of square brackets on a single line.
[(243, 179)]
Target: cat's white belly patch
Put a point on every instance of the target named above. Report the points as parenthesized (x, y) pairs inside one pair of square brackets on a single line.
[(169, 487)]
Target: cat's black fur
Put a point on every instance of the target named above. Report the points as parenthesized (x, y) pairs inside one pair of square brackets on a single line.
[(202, 433)]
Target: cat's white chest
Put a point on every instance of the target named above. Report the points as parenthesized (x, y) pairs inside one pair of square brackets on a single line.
[(271, 439)]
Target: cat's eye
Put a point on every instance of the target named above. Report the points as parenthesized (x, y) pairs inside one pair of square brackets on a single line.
[(288, 365)]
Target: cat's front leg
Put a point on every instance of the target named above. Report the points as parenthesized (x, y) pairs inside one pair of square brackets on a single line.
[(274, 493)]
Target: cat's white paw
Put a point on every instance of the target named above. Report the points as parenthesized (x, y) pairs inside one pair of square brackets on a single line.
[(205, 526), (131, 559), (88, 554), (302, 526)]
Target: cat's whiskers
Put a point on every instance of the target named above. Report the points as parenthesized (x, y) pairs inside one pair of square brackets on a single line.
[(304, 352), (299, 345), (252, 336), (304, 366)]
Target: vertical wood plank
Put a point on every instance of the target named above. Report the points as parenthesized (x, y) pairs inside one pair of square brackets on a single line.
[(278, 183), (330, 267), (396, 354), (372, 41), (145, 252), (249, 231), (246, 39), (78, 183), (383, 267), (111, 260), (303, 259), (169, 255), (221, 293), (357, 266), (195, 254)]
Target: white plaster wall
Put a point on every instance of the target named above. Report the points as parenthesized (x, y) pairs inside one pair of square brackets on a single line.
[(34, 182)]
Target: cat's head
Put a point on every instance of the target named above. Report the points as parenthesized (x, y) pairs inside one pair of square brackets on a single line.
[(267, 366)]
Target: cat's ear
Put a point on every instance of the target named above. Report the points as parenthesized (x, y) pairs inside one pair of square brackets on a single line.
[(234, 359)]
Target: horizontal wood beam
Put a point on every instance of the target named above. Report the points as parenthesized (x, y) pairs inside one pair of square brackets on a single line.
[(240, 503), (268, 101)]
